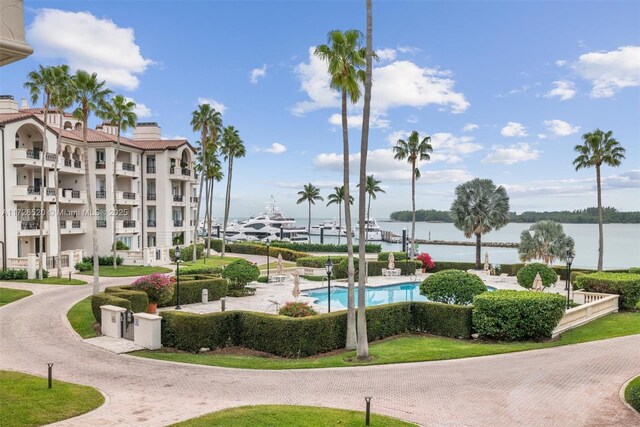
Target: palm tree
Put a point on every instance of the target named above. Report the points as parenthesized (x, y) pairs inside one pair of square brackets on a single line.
[(337, 198), (345, 59), (479, 207), (61, 98), (232, 147), (310, 194), (213, 173), (42, 82), (91, 95), (372, 188), (119, 113), (548, 242), (414, 150), (599, 148)]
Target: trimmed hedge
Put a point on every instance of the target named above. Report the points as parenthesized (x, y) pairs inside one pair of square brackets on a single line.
[(200, 269), (138, 299), (301, 337), (375, 268), (452, 287), (517, 315), (317, 247), (186, 253), (633, 393), (527, 274), (397, 256), (191, 290), (14, 274), (449, 265), (574, 276), (627, 285), (317, 261), (259, 249), (102, 260), (104, 298)]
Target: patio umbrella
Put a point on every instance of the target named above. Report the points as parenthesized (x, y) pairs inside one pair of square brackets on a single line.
[(486, 261), (296, 285), (392, 261), (537, 283), (280, 266)]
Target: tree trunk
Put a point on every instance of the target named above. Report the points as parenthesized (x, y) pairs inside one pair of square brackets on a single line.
[(94, 226), (43, 188), (413, 209), (339, 221), (58, 145), (478, 250), (309, 233), (351, 308), (210, 218), (366, 236), (115, 160), (363, 341), (207, 216), (227, 202), (195, 229), (600, 229)]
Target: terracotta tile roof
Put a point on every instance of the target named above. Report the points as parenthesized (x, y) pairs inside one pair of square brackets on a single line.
[(40, 110), (161, 144), (12, 117)]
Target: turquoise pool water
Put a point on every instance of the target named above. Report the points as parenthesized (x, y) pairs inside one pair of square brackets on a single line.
[(400, 292)]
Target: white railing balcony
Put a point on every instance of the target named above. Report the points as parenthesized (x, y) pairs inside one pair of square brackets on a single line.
[(70, 165), (126, 226), (127, 198), (32, 228), (180, 173), (30, 193), (72, 196), (127, 169), (73, 226), (31, 158)]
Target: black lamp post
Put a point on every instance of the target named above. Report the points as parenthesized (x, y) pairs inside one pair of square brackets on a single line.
[(177, 255), (569, 258), (329, 266), (268, 243)]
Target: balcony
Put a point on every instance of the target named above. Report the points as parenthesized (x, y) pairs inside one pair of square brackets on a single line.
[(151, 223), (194, 200), (101, 164), (32, 158), (101, 223), (151, 168), (183, 174), (126, 226), (151, 196), (30, 193), (178, 223), (69, 195), (178, 198), (126, 169), (101, 194), (73, 227), (126, 198), (32, 228), (71, 166)]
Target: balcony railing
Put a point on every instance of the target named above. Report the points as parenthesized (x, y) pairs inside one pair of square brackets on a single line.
[(128, 196), (76, 224), (186, 172), (151, 223), (128, 223), (32, 190), (151, 196), (101, 195), (73, 163), (51, 157), (128, 167), (30, 224), (75, 194), (194, 200), (51, 191), (63, 223), (151, 168), (177, 222), (101, 165), (177, 198), (33, 154), (101, 223)]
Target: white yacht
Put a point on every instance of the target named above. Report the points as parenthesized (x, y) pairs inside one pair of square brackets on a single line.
[(373, 230), (270, 224), (330, 227)]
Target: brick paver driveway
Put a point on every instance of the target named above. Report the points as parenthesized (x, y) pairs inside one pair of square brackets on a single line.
[(568, 386)]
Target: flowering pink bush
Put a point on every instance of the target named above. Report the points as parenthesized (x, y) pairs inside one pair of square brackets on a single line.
[(427, 262), (297, 309), (158, 287)]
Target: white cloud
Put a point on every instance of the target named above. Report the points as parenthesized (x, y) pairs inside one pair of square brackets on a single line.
[(218, 106), (89, 43), (409, 49), (398, 84), (574, 186), (412, 119), (542, 136), (257, 73), (141, 110), (386, 54), (376, 121), (563, 89), (320, 184), (442, 143), (513, 129), (561, 62), (174, 137), (561, 128), (470, 127), (610, 71), (276, 148), (511, 154)]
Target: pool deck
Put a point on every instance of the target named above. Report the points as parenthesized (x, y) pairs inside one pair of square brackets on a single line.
[(269, 296)]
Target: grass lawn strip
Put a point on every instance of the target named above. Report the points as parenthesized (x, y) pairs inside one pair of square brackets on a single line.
[(127, 271), (212, 261), (627, 391), (25, 400), (289, 416), (53, 281), (8, 295), (409, 348), (81, 319)]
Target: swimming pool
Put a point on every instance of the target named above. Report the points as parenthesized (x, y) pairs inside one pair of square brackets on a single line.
[(401, 292)]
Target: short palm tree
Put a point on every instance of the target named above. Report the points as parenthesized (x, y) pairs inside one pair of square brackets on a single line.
[(414, 150), (372, 188), (119, 112), (599, 148), (232, 147), (337, 197), (345, 58), (310, 194), (91, 96), (479, 207), (548, 242)]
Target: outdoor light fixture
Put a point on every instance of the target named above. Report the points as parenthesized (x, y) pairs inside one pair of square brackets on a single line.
[(268, 243), (177, 255), (329, 266), (569, 258)]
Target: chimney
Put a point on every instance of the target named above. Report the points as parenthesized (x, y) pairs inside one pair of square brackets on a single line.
[(7, 104), (23, 103), (108, 128), (146, 130)]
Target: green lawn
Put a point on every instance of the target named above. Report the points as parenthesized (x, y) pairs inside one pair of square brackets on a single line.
[(273, 265), (289, 416), (81, 318), (25, 400), (411, 348), (212, 261), (627, 391), (127, 271), (8, 295), (53, 281)]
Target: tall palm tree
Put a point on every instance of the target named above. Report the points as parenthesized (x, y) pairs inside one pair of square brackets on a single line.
[(42, 82), (337, 197), (310, 194), (91, 96), (599, 148), (479, 207), (345, 58), (232, 147), (198, 168), (61, 98), (213, 173), (118, 112), (548, 242), (414, 150), (372, 188)]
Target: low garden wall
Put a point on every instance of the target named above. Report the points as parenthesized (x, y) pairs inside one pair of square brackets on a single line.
[(594, 305)]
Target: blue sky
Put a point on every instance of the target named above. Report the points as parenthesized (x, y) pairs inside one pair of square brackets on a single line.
[(505, 89)]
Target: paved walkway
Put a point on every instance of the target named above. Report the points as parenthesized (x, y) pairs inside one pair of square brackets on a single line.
[(566, 386)]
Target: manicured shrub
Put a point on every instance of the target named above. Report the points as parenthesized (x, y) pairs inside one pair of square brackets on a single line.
[(627, 285), (158, 287), (83, 266), (191, 290), (633, 393), (138, 299), (259, 249), (527, 274), (446, 320), (191, 332), (574, 276), (240, 272), (450, 265), (103, 260), (262, 279), (397, 256), (517, 315), (318, 247), (103, 298), (427, 262), (297, 309), (452, 287), (186, 253), (121, 246), (314, 278), (388, 320), (12, 274), (200, 269), (317, 261)]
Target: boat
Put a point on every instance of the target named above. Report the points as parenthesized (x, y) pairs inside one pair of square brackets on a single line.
[(271, 224), (330, 227), (373, 230)]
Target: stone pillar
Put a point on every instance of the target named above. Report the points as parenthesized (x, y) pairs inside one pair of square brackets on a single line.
[(112, 320), (146, 330), (32, 266)]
